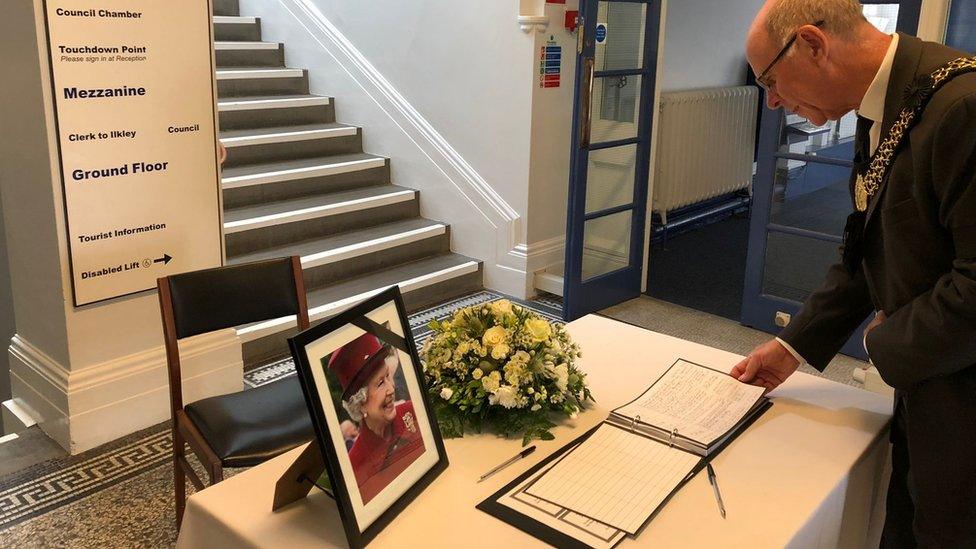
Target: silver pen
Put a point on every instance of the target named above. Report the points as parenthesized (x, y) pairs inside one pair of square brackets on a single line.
[(714, 482), (508, 462)]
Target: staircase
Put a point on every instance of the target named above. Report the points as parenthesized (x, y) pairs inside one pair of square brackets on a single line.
[(297, 182)]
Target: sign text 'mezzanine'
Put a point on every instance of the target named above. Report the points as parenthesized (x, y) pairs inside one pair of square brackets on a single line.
[(124, 91)]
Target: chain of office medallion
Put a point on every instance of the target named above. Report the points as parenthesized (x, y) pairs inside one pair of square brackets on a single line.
[(868, 183)]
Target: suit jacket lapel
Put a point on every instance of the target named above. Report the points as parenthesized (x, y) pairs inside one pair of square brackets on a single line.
[(904, 70)]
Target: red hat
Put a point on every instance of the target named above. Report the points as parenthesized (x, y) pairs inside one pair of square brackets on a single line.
[(355, 361)]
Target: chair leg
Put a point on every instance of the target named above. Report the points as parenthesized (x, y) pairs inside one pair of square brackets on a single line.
[(179, 477), (216, 473)]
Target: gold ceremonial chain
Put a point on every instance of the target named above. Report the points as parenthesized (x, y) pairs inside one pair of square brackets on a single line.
[(868, 183)]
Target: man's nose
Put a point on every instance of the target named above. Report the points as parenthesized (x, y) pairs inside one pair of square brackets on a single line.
[(773, 100)]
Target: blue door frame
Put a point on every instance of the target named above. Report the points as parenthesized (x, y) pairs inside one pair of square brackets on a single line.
[(759, 309), (961, 28), (585, 296)]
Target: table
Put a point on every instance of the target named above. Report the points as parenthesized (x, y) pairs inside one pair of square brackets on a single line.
[(808, 473)]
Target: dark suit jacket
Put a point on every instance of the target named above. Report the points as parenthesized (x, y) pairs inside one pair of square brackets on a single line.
[(920, 269)]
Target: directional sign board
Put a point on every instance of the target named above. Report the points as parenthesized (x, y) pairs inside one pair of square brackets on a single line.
[(134, 100)]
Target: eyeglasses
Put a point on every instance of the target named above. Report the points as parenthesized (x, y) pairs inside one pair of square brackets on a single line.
[(761, 79)]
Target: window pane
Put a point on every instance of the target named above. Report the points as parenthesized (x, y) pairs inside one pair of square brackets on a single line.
[(624, 44), (616, 102), (610, 178), (796, 265), (606, 244), (832, 140), (812, 196)]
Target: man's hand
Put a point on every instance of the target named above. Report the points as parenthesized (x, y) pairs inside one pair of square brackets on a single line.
[(767, 366)]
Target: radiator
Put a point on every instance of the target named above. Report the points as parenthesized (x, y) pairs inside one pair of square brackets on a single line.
[(705, 145)]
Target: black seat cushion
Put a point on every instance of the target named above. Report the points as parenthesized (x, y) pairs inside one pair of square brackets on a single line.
[(250, 427)]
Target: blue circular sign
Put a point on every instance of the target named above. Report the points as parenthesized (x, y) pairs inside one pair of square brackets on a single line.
[(601, 33)]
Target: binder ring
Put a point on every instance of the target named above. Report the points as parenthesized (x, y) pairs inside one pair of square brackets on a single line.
[(674, 433), (633, 424)]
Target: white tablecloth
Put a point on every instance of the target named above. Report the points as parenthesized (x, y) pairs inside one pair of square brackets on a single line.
[(809, 473)]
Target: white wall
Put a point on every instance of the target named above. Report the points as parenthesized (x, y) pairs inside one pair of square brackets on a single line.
[(444, 91), (704, 43)]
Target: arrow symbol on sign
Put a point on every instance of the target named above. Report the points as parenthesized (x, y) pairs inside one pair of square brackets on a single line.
[(164, 260)]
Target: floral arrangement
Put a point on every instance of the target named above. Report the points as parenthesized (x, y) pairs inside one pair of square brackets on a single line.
[(502, 366)]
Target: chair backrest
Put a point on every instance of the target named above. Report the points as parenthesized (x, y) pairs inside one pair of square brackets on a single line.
[(205, 301)]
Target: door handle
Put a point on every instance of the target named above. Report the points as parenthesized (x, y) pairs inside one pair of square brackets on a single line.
[(586, 103)]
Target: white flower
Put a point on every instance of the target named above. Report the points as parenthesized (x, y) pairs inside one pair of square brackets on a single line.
[(562, 376), (574, 415), (536, 407), (447, 393), (507, 396), (477, 373)]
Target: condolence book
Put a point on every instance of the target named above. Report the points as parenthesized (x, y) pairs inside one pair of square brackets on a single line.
[(610, 482)]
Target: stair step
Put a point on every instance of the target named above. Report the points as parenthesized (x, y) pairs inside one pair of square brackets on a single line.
[(235, 27), (332, 249), (234, 20), (330, 300), (232, 45), (256, 103), (276, 172), (299, 209), (285, 134), (250, 73)]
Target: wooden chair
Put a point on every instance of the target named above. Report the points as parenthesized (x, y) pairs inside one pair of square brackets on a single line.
[(245, 428)]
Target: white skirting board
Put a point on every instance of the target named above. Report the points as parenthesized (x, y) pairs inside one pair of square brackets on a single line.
[(88, 407)]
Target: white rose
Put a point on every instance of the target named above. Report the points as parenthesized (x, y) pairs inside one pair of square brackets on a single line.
[(447, 393), (562, 376), (477, 373), (507, 396)]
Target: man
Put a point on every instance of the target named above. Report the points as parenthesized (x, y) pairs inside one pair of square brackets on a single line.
[(914, 260)]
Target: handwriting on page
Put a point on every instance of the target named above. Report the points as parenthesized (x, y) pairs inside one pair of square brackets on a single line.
[(701, 403), (615, 477)]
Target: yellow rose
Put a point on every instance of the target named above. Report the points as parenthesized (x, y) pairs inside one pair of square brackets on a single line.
[(538, 329), (494, 336), (501, 307), (500, 351)]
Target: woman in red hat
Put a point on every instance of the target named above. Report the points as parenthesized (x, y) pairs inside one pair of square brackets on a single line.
[(389, 438)]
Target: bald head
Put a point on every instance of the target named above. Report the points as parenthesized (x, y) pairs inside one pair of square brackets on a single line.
[(829, 67)]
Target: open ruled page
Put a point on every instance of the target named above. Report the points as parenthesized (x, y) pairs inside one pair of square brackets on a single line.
[(701, 403), (616, 477)]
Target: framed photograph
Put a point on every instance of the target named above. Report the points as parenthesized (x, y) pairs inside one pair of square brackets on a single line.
[(364, 386)]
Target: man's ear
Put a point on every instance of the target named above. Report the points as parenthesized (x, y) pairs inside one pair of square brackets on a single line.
[(813, 40)]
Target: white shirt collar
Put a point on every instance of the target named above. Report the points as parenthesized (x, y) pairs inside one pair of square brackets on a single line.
[(873, 104)]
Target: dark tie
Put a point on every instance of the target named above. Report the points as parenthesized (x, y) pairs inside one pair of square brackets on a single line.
[(862, 140), (854, 230)]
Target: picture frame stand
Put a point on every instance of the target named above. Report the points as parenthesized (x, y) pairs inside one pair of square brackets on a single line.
[(300, 477)]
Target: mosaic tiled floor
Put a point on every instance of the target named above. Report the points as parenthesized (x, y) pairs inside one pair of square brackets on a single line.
[(42, 488)]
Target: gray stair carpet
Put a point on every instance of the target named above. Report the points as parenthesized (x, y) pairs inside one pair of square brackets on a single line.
[(121, 494)]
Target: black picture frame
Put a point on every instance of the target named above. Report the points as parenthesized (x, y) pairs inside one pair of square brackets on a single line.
[(356, 536)]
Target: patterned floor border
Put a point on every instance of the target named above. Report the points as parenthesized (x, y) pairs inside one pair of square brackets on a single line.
[(47, 486)]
